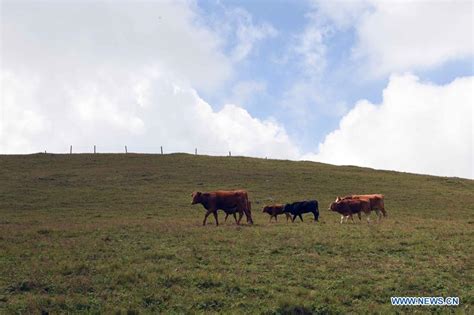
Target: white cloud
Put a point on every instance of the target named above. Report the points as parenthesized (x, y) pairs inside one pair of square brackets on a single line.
[(18, 124), (243, 33), (312, 49), (244, 91), (67, 41), (248, 34), (343, 14), (397, 36), (144, 114), (401, 36), (419, 127), (182, 120), (121, 74)]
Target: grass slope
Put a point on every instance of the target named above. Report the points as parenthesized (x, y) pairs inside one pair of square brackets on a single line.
[(116, 233)]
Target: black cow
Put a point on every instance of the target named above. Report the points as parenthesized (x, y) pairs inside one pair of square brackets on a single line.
[(300, 207)]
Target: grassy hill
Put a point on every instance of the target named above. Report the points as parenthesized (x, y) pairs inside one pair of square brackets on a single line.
[(116, 233)]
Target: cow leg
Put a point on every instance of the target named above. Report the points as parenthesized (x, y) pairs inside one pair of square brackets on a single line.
[(276, 218), (367, 215), (248, 215), (315, 216), (226, 215), (215, 217), (288, 216), (379, 215), (205, 217), (241, 214), (352, 218), (301, 217), (360, 217), (294, 217), (342, 219), (235, 217)]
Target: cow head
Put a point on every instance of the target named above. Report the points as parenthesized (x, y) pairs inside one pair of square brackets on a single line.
[(196, 197), (332, 206)]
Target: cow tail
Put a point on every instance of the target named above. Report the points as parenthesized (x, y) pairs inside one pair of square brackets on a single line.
[(249, 215), (383, 209)]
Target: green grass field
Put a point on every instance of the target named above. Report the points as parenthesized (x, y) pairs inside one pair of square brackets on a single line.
[(114, 233)]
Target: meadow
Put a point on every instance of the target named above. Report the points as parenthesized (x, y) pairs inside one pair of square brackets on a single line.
[(116, 233)]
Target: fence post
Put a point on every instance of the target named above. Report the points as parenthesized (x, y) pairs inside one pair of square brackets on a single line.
[(70, 149), (126, 150), (230, 154), (161, 150), (94, 148), (196, 151)]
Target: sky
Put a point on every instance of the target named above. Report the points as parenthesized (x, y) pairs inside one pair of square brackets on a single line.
[(381, 84)]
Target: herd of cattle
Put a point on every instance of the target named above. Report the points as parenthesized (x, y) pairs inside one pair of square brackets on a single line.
[(237, 202)]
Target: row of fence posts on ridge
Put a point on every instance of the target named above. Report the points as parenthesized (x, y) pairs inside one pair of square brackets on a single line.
[(126, 150)]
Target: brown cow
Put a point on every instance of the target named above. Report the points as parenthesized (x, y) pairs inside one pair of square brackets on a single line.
[(376, 203), (348, 207), (275, 210), (229, 201)]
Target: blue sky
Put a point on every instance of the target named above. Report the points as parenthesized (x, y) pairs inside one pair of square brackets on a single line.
[(337, 84), (305, 79)]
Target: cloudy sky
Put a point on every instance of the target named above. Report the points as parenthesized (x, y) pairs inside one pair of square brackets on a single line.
[(382, 84)]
